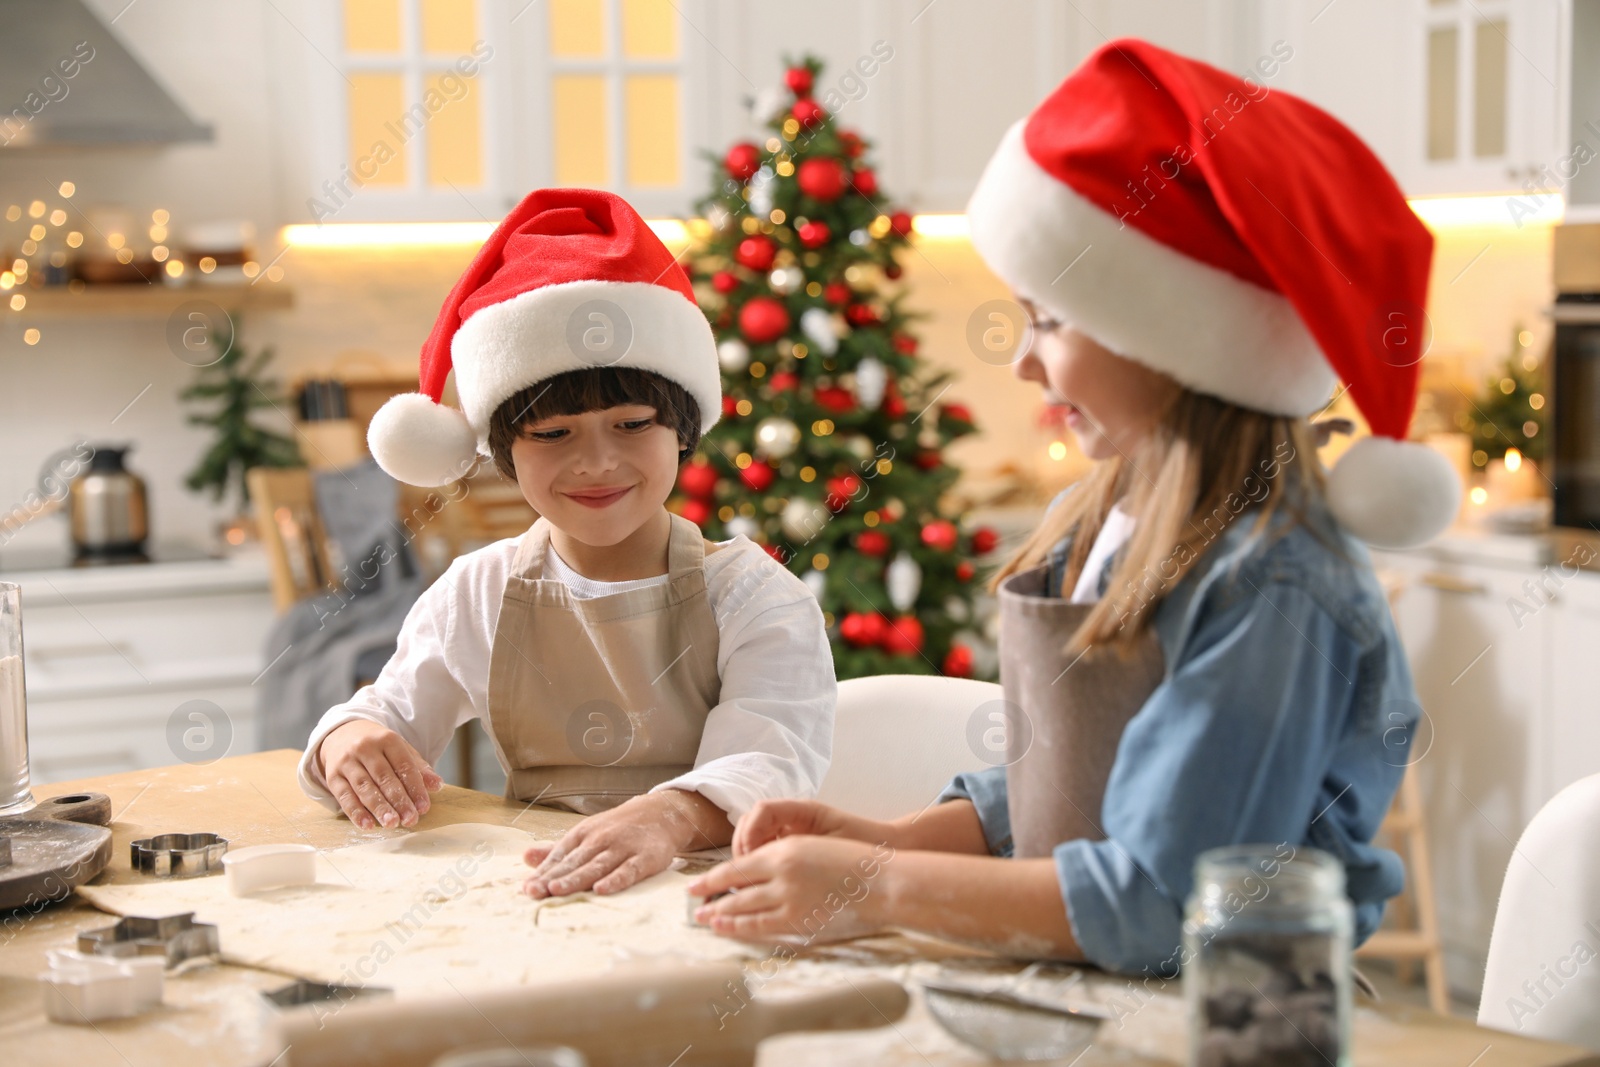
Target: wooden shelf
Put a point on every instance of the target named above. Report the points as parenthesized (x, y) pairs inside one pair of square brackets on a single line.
[(114, 300)]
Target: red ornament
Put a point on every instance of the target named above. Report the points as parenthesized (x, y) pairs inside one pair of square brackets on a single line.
[(965, 570), (872, 542), (730, 407), (894, 405), (904, 344), (900, 223), (852, 142), (724, 282), (763, 319), (940, 534), (696, 511), (862, 629), (742, 161), (758, 476), (756, 252), (777, 552), (798, 79), (866, 181), (956, 413), (984, 540), (928, 460), (837, 293), (903, 636), (698, 480), (892, 271), (783, 381), (814, 234), (821, 178), (860, 315), (841, 491), (808, 113), (958, 662), (836, 399)]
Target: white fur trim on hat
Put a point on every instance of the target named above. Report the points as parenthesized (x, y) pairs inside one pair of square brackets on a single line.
[(420, 442), (1393, 494), (1212, 331), (538, 334)]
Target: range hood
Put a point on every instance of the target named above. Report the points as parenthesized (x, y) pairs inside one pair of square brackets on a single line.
[(66, 80)]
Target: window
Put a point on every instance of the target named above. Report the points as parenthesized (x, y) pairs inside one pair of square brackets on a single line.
[(1467, 48), (414, 114), (615, 94)]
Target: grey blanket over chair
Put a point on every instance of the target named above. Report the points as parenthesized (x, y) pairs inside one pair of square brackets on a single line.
[(324, 646)]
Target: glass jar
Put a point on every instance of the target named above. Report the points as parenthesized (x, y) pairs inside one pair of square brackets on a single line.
[(15, 795), (1267, 948)]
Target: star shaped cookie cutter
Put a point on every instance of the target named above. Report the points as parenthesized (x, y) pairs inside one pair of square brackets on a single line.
[(175, 937)]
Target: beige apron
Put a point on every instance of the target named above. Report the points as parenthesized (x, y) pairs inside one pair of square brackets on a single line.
[(593, 701), (1073, 711)]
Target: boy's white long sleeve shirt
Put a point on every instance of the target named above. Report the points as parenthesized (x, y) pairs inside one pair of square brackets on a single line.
[(769, 735)]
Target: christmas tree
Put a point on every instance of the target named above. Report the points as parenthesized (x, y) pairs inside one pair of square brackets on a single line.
[(830, 448), (1511, 411)]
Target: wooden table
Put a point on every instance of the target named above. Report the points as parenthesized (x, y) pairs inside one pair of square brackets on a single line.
[(255, 799)]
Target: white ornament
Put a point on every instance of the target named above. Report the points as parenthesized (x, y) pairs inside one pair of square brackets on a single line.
[(803, 519), (818, 326), (956, 609), (776, 437), (861, 447), (734, 355), (860, 238), (785, 280), (742, 526), (817, 582), (761, 184), (767, 104), (872, 378), (904, 580)]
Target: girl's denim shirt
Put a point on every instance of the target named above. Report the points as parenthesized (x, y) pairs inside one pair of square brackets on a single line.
[(1285, 718)]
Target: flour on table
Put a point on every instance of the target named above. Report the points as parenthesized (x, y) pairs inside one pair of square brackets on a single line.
[(425, 911)]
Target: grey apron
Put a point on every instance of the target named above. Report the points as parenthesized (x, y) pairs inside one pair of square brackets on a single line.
[(1072, 714), (593, 701)]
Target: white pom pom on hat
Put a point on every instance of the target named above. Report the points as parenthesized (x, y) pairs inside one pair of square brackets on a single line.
[(570, 279), (422, 442), (1240, 240)]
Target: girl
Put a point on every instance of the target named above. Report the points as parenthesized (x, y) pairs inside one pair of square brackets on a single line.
[(1194, 649), (626, 668)]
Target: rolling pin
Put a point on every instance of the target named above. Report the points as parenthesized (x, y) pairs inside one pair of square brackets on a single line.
[(697, 1016)]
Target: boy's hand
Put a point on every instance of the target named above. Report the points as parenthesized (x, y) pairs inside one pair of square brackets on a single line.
[(376, 776), (798, 890), (615, 849), (770, 820)]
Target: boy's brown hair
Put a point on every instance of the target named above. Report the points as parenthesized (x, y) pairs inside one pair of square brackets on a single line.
[(593, 389)]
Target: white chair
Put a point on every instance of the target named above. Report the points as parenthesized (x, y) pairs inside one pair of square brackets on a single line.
[(899, 738), (1543, 974)]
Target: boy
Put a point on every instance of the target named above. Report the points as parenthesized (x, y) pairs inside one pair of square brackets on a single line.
[(626, 668)]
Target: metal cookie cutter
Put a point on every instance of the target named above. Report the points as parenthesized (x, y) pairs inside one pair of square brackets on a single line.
[(179, 855), (305, 991), (80, 988), (175, 938), (258, 867)]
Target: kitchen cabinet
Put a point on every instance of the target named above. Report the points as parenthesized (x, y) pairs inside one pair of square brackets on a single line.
[(1501, 651), (142, 665)]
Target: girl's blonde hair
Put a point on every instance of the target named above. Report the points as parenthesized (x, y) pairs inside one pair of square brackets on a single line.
[(1205, 462)]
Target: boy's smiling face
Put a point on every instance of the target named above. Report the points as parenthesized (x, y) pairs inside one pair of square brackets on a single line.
[(598, 476)]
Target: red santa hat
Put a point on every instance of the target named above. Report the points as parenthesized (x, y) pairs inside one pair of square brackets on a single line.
[(572, 278), (1238, 239)]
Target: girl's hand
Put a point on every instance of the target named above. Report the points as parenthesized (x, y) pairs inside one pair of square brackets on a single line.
[(613, 850), (375, 775), (801, 890), (770, 820)]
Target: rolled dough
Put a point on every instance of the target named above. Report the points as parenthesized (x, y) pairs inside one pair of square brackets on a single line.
[(432, 910)]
